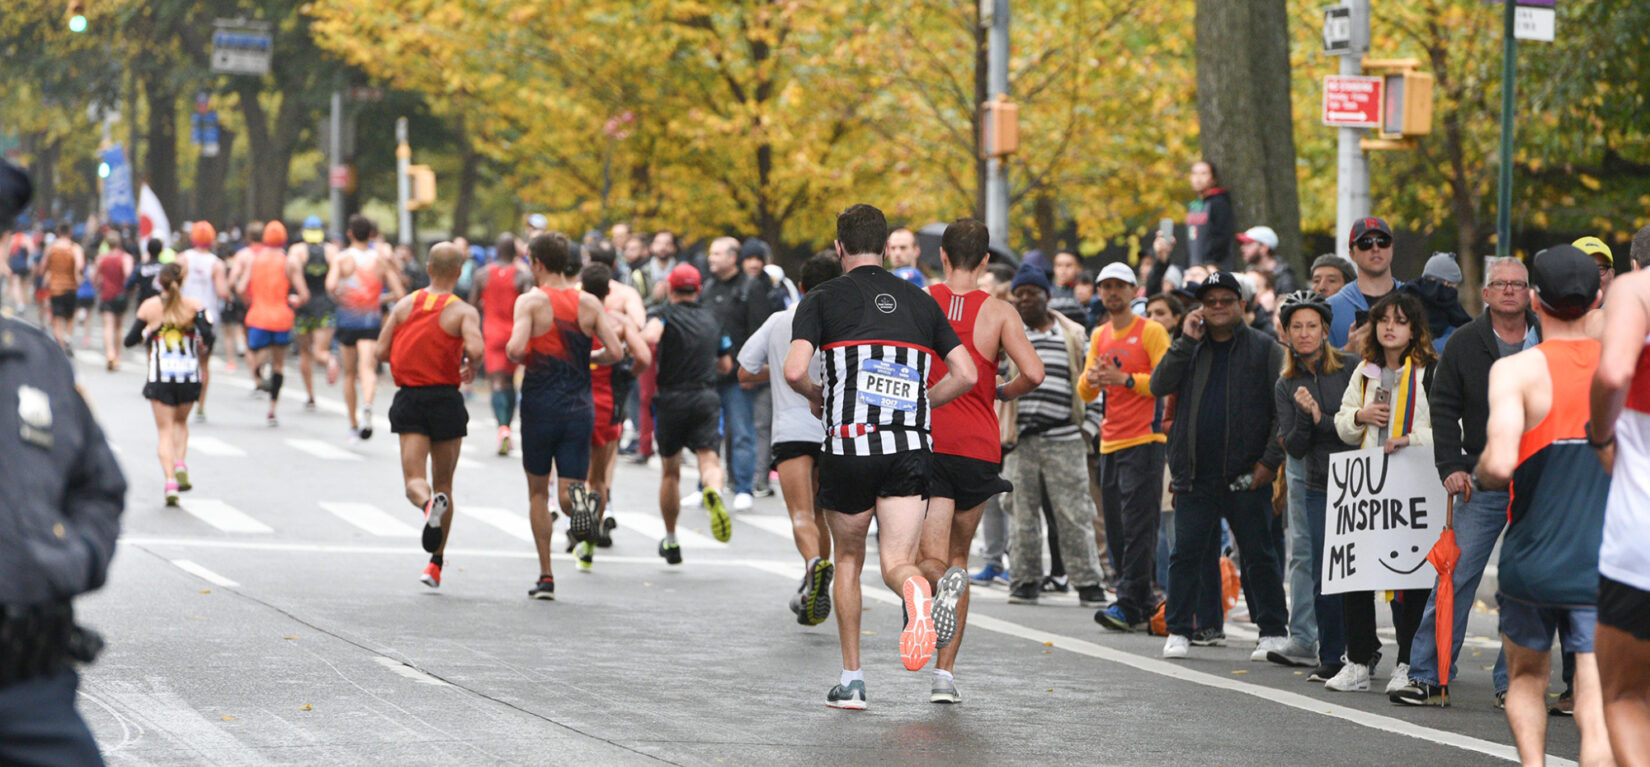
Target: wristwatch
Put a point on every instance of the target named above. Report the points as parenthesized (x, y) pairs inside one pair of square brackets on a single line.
[(1129, 382), (1595, 444)]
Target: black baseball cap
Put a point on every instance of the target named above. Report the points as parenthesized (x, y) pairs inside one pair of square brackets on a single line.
[(1225, 280), (1565, 278), (1368, 224)]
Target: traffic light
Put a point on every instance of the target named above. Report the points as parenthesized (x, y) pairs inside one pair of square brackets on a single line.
[(77, 16), (423, 187)]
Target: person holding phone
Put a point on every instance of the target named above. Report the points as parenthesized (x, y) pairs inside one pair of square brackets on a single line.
[(1371, 240)]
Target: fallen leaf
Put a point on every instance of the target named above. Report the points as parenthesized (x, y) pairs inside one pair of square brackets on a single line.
[(1048, 644), (294, 636), (1051, 689), (868, 633), (1298, 673), (305, 708), (206, 591), (1240, 671), (228, 718)]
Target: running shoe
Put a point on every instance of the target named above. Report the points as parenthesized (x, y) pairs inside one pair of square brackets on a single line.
[(354, 437), (309, 406), (991, 573), (229, 365), (1118, 619), (434, 511), (851, 697), (586, 556), (503, 440), (271, 421), (366, 423), (431, 576), (200, 415), (604, 539), (672, 552), (171, 494), (817, 602), (949, 590), (944, 690), (721, 525), (544, 588), (796, 606), (916, 640), (181, 473), (581, 517)]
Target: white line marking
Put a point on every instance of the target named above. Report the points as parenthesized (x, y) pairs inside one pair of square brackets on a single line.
[(153, 706), (652, 527), (768, 523), (209, 445), (786, 566), (223, 516), (513, 524), (408, 671), (370, 518), (324, 450), (469, 463), (203, 573)]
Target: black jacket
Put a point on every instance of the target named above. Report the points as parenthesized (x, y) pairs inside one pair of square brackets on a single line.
[(1459, 397), (1216, 241), (1251, 415), (741, 305), (1302, 439)]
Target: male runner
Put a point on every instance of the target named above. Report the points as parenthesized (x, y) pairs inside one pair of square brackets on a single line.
[(796, 436), (264, 285), (432, 340), (318, 316), (495, 289), (206, 280), (554, 327), (234, 310), (62, 266), (608, 390), (879, 335), (1621, 434), (356, 280), (966, 469), (1549, 570), (691, 352)]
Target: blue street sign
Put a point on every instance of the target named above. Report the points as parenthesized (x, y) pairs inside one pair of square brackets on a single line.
[(117, 188)]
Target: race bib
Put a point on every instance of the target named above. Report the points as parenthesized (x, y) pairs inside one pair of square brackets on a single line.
[(890, 385), (177, 366)]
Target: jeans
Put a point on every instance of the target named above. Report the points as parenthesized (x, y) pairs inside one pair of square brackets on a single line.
[(1131, 480), (762, 409), (1478, 523), (739, 430), (1326, 609), (1303, 623), (39, 724), (1197, 545)]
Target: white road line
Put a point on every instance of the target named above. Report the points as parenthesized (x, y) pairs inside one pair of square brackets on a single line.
[(777, 566), (767, 523), (469, 463), (223, 516), (324, 450), (370, 518), (153, 707), (652, 527), (209, 445), (408, 671), (203, 573), (513, 524)]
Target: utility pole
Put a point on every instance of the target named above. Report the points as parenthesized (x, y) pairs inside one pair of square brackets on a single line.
[(996, 179), (403, 183), (1509, 70), (1351, 164), (335, 148)]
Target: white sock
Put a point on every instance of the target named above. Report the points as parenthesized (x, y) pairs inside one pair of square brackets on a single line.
[(670, 538), (941, 673), (856, 675)]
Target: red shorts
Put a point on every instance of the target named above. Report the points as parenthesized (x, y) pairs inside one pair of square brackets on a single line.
[(601, 393), (496, 360), (606, 434)]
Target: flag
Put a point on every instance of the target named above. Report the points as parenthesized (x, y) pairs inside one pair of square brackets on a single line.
[(152, 221)]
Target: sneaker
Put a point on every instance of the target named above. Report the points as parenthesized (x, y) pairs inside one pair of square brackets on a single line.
[(949, 591), (200, 415), (1294, 654), (796, 605), (434, 511), (1266, 646), (229, 366), (851, 697), (353, 438), (761, 492), (816, 592), (366, 423), (604, 539), (1208, 637), (672, 552), (1176, 646), (1563, 705), (1353, 677), (1056, 584), (743, 502), (1091, 596), (1418, 693), (991, 573), (1023, 594), (1116, 619), (504, 440), (586, 555), (581, 516), (916, 640), (171, 494), (431, 576), (309, 406), (1324, 672), (1501, 700), (944, 690), (180, 473), (271, 421), (544, 588), (1399, 680), (721, 525)]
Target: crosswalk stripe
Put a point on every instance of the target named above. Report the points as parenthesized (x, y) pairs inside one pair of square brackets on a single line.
[(208, 445), (651, 526), (203, 573), (370, 518), (223, 516), (323, 450), (768, 523), (513, 524)]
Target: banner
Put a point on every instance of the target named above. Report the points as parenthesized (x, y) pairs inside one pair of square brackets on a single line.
[(152, 220), (118, 200), (1384, 512)]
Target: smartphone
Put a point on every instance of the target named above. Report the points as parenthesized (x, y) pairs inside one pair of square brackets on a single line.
[(1359, 318), (1383, 396), (1165, 228)]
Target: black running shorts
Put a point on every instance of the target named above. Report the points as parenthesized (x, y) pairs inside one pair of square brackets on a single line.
[(63, 306), (686, 418), (437, 412), (1624, 608), (967, 481), (785, 451), (851, 484), (172, 394), (353, 336)]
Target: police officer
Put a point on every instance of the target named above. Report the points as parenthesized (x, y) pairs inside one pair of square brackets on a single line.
[(59, 517)]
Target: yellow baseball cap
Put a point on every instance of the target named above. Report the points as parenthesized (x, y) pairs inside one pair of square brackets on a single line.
[(1596, 248)]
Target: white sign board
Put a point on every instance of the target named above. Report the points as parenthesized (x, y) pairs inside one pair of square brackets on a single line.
[(1337, 30), (241, 48), (1383, 515), (1531, 23)]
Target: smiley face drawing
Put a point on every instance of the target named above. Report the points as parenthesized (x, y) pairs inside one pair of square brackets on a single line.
[(1393, 555)]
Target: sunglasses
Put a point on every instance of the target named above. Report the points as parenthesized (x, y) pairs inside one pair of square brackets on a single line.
[(1216, 303), (1372, 242)]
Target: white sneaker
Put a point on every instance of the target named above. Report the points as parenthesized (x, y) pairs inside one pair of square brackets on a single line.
[(1354, 677), (1399, 680), (1268, 645), (693, 500), (743, 502), (1177, 646)]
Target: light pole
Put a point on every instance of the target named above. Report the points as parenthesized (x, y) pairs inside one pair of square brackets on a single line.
[(996, 175)]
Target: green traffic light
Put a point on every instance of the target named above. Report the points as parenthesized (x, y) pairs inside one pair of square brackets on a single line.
[(77, 23)]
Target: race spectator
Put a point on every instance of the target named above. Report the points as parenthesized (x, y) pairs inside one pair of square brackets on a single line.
[(1210, 221), (1330, 273), (1372, 252), (1437, 292), (1259, 245), (1600, 252), (740, 304)]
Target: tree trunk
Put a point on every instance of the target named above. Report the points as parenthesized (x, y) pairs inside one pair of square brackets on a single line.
[(211, 174), (468, 168), (163, 143), (1048, 228), (1243, 109), (269, 152)]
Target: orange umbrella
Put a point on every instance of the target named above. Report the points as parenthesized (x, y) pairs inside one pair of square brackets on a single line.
[(1443, 556)]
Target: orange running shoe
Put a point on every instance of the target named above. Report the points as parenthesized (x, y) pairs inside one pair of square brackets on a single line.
[(916, 641), (431, 576)]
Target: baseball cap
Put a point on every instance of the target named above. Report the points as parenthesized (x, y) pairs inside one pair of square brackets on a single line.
[(1116, 270), (1261, 234), (1368, 224), (684, 279), (1225, 280), (274, 234), (202, 235), (538, 221), (313, 230), (1596, 248), (1564, 277)]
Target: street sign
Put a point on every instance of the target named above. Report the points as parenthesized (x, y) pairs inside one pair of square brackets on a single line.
[(241, 47), (1351, 101), (1534, 23), (118, 200), (338, 177), (1337, 30)]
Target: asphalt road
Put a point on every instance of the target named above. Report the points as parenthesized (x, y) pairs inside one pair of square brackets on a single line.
[(276, 618)]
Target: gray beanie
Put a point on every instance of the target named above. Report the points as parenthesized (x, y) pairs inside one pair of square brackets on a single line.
[(1330, 259), (1442, 267)]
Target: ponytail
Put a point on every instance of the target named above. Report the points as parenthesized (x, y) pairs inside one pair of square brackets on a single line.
[(173, 311)]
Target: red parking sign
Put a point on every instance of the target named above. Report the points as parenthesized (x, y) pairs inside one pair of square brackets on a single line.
[(1351, 101)]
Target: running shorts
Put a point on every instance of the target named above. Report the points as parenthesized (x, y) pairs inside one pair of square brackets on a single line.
[(353, 336), (436, 412), (258, 338), (785, 451), (234, 312), (968, 482), (1624, 607), (1531, 626), (309, 323), (63, 306), (495, 359), (85, 302), (686, 418), (172, 394), (558, 442), (113, 305), (851, 484)]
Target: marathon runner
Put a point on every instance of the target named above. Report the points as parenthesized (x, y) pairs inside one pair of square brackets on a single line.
[(145, 277), (62, 265), (178, 332), (966, 468), (20, 252), (317, 317), (608, 388), (622, 300), (554, 328), (1549, 569), (495, 289), (269, 316), (879, 335), (1621, 434), (797, 434), (113, 269), (356, 282), (690, 352), (432, 340), (234, 309), (206, 280)]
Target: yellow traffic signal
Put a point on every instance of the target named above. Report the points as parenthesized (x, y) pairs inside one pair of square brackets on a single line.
[(423, 186)]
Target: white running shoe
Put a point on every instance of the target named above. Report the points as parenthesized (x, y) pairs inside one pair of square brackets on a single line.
[(1268, 645), (743, 502), (1399, 680), (1354, 677), (1177, 646)]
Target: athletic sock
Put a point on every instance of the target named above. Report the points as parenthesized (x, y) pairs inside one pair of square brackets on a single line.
[(435, 559), (501, 408), (275, 381), (941, 673), (857, 675), (670, 538), (510, 400)]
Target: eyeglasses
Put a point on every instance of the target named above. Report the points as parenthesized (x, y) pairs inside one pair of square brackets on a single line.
[(1509, 285), (1603, 270), (1216, 303), (1374, 241)]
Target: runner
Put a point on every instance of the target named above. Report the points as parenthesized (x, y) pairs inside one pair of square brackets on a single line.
[(145, 277), (234, 309), (356, 282), (269, 316), (1549, 569), (608, 387), (690, 353), (205, 280), (317, 317), (554, 328), (20, 252), (177, 331), (432, 341), (61, 267), (796, 437), (1621, 434), (113, 268), (966, 468), (495, 290), (879, 335)]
